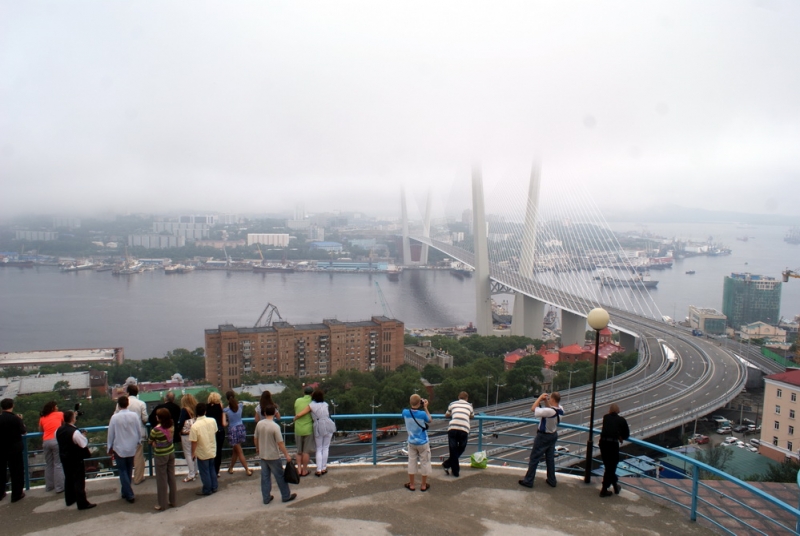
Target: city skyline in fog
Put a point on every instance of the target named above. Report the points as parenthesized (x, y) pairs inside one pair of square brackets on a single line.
[(254, 108)]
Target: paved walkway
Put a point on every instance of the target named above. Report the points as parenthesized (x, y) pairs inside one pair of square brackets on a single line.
[(356, 500)]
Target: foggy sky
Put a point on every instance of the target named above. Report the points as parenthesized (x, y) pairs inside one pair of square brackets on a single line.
[(247, 107)]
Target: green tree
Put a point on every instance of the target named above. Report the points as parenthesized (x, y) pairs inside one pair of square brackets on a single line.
[(717, 457), (785, 472)]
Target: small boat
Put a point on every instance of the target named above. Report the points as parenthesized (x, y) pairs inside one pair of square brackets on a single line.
[(393, 273), (690, 272), (76, 267)]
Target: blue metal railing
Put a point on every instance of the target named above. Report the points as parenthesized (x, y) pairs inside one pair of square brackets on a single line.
[(701, 500)]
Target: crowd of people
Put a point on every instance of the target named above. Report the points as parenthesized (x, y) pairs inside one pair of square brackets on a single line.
[(200, 430)]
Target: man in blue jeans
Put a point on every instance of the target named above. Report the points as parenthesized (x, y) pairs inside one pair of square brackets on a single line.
[(124, 436), (269, 445), (203, 436), (545, 442), (459, 413)]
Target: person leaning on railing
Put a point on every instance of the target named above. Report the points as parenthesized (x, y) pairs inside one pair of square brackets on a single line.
[(615, 431), (324, 428), (419, 449), (237, 433)]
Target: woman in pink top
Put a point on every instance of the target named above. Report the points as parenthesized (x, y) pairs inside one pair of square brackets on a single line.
[(51, 419)]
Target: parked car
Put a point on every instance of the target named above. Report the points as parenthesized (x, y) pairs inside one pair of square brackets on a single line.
[(718, 418), (561, 450), (724, 430), (751, 448), (755, 442), (730, 441), (702, 440), (740, 444), (748, 421), (740, 429)]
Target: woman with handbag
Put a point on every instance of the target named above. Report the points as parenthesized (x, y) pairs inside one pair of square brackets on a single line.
[(185, 422), (324, 428)]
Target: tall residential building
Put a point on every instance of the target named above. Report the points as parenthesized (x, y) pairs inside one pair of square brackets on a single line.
[(781, 414), (278, 240), (748, 298), (283, 349)]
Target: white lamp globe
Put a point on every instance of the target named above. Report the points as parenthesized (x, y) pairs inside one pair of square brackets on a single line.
[(598, 318)]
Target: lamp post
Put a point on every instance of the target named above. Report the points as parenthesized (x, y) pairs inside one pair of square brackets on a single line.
[(569, 385), (488, 377), (497, 395), (373, 406), (598, 321)]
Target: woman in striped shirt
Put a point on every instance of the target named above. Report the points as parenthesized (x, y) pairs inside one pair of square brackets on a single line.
[(164, 457)]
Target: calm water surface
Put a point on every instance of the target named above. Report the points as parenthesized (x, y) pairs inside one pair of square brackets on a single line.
[(151, 313)]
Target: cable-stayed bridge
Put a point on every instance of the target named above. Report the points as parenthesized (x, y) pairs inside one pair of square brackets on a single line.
[(566, 256)]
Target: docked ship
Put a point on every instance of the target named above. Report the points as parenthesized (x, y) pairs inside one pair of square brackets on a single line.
[(637, 281), (273, 268), (178, 269), (793, 236), (394, 271), (6, 263), (461, 270), (76, 267)]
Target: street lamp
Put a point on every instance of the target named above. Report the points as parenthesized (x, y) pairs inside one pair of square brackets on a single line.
[(488, 377), (569, 385), (373, 406), (598, 321), (497, 395)]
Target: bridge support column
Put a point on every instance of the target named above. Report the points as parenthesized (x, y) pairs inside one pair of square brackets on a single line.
[(481, 276), (426, 231), (528, 319), (406, 239), (628, 341), (573, 329)]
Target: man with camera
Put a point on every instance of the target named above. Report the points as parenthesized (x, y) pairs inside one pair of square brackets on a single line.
[(419, 450), (73, 449), (544, 445)]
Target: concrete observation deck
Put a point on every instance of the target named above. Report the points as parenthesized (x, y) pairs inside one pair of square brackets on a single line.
[(356, 500)]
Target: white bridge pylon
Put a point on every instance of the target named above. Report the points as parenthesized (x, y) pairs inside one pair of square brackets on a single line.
[(559, 259)]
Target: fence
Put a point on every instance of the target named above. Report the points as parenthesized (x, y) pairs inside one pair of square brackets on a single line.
[(734, 508)]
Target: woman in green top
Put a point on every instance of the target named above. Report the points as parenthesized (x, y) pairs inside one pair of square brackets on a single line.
[(164, 457)]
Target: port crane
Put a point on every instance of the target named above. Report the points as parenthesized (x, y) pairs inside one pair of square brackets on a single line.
[(387, 312), (787, 273), (268, 311)]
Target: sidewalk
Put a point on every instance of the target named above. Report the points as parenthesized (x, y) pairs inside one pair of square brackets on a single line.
[(356, 500)]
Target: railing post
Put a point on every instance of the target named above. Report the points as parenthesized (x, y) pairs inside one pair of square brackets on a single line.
[(24, 463), (480, 435), (797, 525), (695, 486), (374, 442)]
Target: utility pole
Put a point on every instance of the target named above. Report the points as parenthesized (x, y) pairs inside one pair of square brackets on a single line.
[(497, 395), (488, 377)]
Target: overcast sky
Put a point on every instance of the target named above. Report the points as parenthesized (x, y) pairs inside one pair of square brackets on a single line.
[(250, 107)]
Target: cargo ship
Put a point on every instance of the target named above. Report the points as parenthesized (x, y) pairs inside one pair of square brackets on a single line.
[(273, 268), (636, 281)]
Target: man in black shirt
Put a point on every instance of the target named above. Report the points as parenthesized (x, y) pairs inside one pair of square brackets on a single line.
[(73, 450), (615, 431), (11, 451)]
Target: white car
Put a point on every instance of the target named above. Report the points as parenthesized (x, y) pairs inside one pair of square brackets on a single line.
[(561, 450), (730, 441), (725, 430), (751, 448), (740, 444)]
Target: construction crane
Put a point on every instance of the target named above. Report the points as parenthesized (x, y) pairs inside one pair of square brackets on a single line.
[(268, 311), (387, 312), (787, 273)]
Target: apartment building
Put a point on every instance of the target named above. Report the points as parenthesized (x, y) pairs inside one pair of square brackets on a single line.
[(780, 426), (301, 350)]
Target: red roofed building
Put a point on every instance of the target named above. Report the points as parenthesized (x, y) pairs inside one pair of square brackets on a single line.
[(781, 412), (574, 352), (550, 358), (511, 358)]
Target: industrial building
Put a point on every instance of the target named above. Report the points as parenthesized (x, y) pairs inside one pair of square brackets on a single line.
[(83, 356), (707, 320), (748, 298), (283, 349)]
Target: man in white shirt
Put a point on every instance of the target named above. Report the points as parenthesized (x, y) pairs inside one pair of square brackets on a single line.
[(139, 408), (459, 413), (124, 437), (544, 445)]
